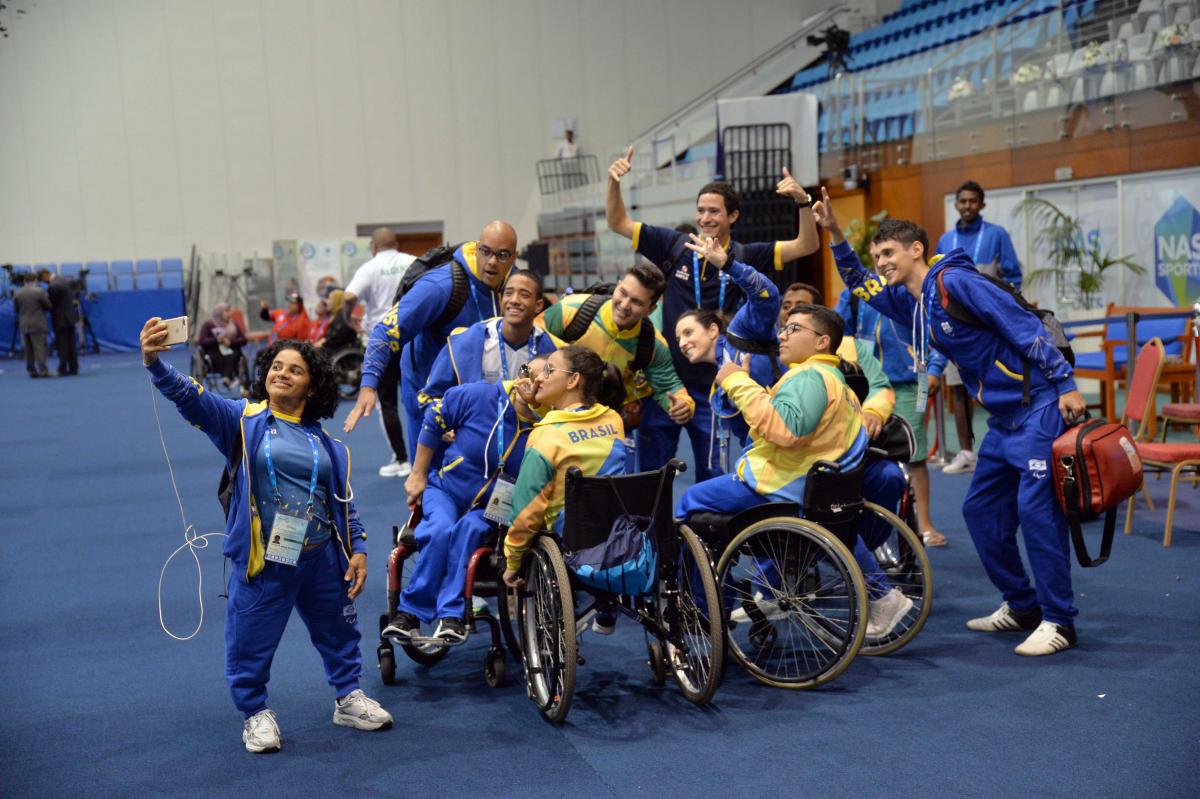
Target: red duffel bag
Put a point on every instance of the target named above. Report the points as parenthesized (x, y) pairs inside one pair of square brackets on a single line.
[(1096, 468)]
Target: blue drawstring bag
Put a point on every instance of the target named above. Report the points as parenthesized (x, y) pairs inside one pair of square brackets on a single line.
[(624, 563)]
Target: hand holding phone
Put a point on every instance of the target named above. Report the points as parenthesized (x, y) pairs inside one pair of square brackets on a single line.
[(177, 330)]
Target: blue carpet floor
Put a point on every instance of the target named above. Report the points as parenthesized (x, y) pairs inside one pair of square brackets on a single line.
[(96, 701)]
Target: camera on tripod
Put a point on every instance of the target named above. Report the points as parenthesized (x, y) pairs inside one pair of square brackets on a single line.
[(837, 44)]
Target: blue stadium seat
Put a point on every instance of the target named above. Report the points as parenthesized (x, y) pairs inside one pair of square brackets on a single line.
[(123, 277), (146, 270), (97, 279), (70, 269)]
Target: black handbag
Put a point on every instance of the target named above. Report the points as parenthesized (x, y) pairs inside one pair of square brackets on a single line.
[(896, 438)]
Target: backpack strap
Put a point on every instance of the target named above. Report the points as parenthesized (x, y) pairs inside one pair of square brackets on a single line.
[(460, 287), (583, 317), (645, 347)]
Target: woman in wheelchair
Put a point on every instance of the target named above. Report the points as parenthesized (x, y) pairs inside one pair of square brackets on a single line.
[(340, 331), (703, 338), (490, 423), (582, 430), (221, 340)]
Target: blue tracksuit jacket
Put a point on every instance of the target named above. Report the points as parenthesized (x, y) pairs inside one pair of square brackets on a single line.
[(891, 342), (461, 361)]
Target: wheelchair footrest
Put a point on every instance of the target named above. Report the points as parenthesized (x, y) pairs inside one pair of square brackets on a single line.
[(424, 640)]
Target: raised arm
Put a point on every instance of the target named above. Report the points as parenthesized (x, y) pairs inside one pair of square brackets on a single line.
[(614, 205), (807, 239), (781, 419)]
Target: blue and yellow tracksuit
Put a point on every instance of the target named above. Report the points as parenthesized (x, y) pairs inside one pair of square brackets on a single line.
[(1011, 486), (490, 439), (262, 594), (810, 414), (406, 331), (754, 321), (461, 361), (658, 436), (591, 438)]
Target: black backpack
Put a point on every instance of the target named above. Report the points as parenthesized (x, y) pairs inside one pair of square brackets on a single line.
[(1054, 328), (431, 260), (598, 294)]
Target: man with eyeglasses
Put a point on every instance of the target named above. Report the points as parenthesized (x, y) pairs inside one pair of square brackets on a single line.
[(691, 282), (810, 414), (413, 330), (621, 333)]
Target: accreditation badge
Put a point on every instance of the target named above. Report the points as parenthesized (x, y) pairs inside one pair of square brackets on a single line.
[(499, 506), (286, 539)]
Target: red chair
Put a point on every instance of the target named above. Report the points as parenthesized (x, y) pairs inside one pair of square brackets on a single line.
[(1181, 460)]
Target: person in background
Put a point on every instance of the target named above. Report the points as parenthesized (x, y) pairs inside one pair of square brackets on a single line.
[(341, 332), (31, 304), (292, 533), (64, 317), (567, 148), (375, 284), (287, 323), (991, 249), (221, 340), (322, 316)]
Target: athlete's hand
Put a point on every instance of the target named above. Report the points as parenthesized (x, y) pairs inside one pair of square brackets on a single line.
[(620, 168), (362, 407), (1072, 406), (709, 249), (356, 575), (154, 333), (934, 383), (729, 367), (789, 187), (823, 214), (681, 410), (512, 578), (414, 487), (872, 423)]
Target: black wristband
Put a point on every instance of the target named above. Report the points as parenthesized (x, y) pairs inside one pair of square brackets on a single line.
[(806, 204)]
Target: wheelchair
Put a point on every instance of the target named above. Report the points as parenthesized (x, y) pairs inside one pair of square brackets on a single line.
[(483, 580), (203, 372), (683, 639), (347, 362), (796, 600)]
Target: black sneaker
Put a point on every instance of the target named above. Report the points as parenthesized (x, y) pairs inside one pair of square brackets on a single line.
[(403, 625), (451, 630)]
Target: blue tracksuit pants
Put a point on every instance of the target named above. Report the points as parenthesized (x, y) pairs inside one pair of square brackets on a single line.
[(414, 418), (658, 437), (1013, 487), (447, 538), (258, 612)]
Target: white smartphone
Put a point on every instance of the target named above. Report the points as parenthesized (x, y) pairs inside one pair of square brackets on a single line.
[(177, 330)]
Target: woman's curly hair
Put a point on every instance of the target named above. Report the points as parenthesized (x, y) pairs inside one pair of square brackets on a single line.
[(323, 388)]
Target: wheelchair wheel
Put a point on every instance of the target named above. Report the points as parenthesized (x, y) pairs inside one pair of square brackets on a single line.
[(902, 558), (796, 602), (695, 647), (546, 620), (347, 363)]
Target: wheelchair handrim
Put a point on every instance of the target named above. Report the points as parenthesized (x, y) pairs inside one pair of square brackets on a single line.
[(903, 559)]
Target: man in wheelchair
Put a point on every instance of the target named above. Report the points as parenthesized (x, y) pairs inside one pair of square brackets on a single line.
[(491, 423)]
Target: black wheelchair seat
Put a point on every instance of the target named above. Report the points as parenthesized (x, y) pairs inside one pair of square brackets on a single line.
[(833, 499), (718, 529)]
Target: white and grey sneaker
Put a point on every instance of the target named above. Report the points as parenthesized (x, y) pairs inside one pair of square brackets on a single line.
[(1005, 619), (886, 612), (963, 461), (260, 732), (770, 610), (358, 710), (395, 469), (1047, 639)]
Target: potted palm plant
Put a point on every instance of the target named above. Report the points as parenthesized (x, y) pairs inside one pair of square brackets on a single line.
[(1076, 265)]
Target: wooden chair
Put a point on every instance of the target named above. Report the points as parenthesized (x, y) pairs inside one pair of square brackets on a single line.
[(1181, 460), (1108, 364)]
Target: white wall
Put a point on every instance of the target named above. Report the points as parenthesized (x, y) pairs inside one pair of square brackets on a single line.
[(136, 128)]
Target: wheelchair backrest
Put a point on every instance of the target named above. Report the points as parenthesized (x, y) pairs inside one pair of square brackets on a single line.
[(833, 499), (594, 503)]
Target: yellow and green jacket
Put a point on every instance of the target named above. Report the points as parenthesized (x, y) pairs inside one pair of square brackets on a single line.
[(810, 414), (591, 438), (881, 399), (619, 347)]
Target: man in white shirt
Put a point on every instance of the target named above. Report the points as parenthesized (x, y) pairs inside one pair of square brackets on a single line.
[(375, 284), (567, 148)]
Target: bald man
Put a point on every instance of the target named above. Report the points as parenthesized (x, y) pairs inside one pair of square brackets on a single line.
[(375, 284), (414, 330)]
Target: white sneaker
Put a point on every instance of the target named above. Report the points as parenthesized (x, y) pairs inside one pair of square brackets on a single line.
[(1047, 639), (886, 612), (395, 469), (260, 732), (770, 610), (1005, 619), (358, 710), (963, 461)]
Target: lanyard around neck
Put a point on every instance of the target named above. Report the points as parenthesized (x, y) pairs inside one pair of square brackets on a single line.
[(503, 344), (978, 241), (696, 282), (312, 482)]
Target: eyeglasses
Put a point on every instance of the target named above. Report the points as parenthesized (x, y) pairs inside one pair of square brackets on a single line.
[(485, 252), (549, 369), (792, 328)]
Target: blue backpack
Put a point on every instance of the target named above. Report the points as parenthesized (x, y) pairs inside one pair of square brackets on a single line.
[(624, 563)]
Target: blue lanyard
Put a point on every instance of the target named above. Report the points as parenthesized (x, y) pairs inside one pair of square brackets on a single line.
[(312, 482), (500, 340), (696, 282), (978, 241), (475, 299)]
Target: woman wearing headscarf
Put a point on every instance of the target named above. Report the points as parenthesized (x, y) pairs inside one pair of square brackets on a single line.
[(221, 340)]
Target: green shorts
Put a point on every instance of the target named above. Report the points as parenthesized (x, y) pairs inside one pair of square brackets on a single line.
[(906, 408)]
